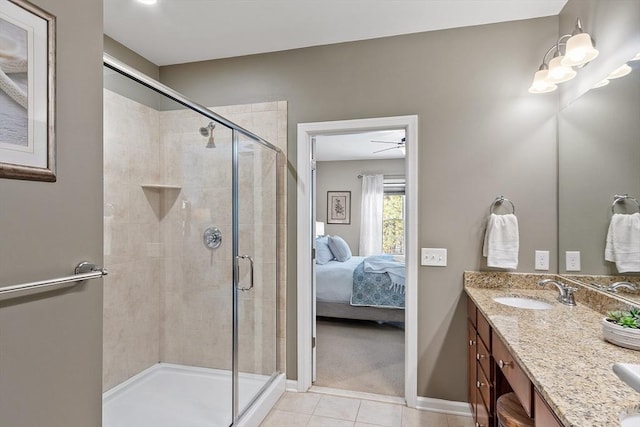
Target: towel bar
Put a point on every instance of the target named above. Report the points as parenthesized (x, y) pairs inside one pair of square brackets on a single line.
[(83, 271), (500, 200), (621, 198)]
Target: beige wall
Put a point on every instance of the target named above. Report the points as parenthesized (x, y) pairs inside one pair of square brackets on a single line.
[(343, 176), (481, 134), (51, 344), (131, 58)]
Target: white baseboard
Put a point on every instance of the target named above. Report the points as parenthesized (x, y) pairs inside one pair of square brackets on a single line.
[(291, 385), (444, 406)]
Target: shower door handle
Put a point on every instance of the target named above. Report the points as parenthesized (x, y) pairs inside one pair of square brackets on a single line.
[(251, 283)]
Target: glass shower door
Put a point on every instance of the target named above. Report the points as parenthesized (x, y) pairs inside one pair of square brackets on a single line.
[(255, 338)]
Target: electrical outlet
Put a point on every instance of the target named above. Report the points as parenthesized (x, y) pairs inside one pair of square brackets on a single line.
[(542, 260), (573, 260), (436, 257)]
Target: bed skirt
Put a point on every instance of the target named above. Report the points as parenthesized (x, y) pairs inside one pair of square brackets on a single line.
[(347, 311)]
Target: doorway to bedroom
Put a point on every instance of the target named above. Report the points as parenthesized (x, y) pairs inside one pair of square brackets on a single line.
[(357, 257), (359, 263)]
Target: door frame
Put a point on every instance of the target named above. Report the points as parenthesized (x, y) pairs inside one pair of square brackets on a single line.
[(304, 241)]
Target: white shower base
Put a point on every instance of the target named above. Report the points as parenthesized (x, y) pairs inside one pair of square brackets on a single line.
[(167, 395)]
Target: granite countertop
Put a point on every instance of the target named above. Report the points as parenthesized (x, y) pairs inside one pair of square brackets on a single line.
[(563, 353)]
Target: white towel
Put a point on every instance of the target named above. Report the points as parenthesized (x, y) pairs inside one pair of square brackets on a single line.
[(623, 242), (501, 241)]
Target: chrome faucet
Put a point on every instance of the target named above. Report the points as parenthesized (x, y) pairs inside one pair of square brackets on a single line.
[(565, 292), (617, 285)]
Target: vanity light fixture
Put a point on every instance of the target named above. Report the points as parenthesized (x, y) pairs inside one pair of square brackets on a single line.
[(580, 48), (601, 83), (540, 83), (147, 2), (619, 72), (560, 68)]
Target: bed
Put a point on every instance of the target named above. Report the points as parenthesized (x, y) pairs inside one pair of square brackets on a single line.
[(345, 290)]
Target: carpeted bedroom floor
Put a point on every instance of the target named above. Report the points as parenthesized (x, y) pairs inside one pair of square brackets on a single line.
[(360, 356)]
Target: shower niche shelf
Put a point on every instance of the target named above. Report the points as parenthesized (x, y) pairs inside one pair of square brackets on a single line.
[(162, 186)]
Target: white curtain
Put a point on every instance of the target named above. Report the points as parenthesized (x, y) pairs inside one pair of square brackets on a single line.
[(371, 215)]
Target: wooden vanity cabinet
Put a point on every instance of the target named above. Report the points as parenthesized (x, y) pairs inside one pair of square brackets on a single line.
[(480, 368), (493, 372)]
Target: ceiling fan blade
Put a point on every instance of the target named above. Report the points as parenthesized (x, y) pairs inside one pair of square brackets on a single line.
[(385, 149)]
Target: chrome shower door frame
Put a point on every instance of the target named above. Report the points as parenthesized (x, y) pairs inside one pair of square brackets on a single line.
[(133, 74)]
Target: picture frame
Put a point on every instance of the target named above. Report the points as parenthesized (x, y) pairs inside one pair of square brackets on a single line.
[(338, 207), (27, 92)]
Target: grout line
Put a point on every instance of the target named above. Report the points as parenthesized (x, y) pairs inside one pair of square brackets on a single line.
[(358, 411)]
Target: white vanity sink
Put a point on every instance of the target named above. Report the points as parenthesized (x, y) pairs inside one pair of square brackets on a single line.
[(523, 302), (632, 420), (629, 373)]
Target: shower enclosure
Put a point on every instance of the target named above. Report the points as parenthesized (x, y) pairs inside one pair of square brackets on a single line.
[(190, 220)]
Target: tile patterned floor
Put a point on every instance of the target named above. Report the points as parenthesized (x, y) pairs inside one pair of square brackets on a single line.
[(322, 410)]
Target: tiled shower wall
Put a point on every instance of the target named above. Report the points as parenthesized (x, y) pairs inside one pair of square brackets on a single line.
[(132, 245), (170, 298)]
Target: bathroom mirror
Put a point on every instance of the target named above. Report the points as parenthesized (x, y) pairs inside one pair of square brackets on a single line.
[(599, 157)]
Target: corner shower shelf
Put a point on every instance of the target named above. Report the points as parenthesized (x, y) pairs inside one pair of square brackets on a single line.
[(162, 186)]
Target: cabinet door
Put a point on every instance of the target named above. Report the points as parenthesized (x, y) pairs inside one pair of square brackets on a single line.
[(484, 386), (482, 415), (471, 311), (472, 367), (543, 415), (514, 374), (484, 329)]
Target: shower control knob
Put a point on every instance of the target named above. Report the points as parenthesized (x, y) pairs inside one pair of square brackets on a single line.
[(212, 237)]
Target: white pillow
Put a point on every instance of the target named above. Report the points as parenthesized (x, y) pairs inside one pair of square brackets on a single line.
[(323, 252), (339, 248)]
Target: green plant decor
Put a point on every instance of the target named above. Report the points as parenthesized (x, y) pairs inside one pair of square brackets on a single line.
[(626, 319)]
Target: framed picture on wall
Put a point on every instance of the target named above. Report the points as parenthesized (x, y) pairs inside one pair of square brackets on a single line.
[(338, 207), (27, 92)]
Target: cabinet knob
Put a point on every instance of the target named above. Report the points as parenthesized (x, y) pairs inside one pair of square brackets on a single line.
[(479, 384), (472, 343), (480, 356), (502, 363)]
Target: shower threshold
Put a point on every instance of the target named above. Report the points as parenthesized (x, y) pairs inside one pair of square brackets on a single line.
[(168, 395)]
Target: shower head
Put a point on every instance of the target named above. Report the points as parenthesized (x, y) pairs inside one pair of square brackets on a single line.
[(208, 131)]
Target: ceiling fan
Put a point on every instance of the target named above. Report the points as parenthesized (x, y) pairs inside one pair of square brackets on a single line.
[(399, 145)]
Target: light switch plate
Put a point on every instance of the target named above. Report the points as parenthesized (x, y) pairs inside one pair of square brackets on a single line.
[(542, 260), (436, 257), (573, 260)]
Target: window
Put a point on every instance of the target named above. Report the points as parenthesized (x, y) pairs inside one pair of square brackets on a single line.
[(393, 217)]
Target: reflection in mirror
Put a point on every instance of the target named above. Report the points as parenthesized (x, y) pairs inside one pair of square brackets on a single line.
[(599, 157)]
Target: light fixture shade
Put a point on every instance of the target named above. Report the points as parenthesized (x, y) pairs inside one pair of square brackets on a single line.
[(620, 72), (636, 58), (601, 83), (540, 83), (319, 228), (559, 73), (579, 50)]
